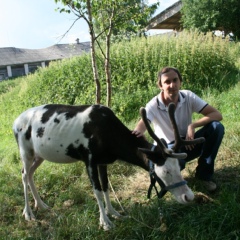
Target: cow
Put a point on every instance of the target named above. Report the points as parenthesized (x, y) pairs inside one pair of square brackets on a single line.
[(95, 135)]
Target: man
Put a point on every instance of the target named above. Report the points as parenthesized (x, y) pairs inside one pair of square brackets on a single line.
[(169, 82)]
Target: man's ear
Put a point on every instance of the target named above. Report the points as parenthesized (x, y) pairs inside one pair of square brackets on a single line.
[(155, 157), (159, 86)]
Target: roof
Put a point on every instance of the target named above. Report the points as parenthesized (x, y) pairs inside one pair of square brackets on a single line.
[(14, 56), (167, 19)]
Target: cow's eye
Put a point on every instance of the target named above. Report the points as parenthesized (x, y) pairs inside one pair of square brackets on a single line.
[(167, 172)]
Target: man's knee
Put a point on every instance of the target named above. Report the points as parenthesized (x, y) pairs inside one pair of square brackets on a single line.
[(218, 128)]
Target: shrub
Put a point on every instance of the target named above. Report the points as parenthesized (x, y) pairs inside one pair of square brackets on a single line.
[(205, 62)]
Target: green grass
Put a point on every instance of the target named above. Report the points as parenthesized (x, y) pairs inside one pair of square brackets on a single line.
[(66, 189), (211, 216)]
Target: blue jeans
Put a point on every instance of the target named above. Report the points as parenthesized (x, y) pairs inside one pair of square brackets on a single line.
[(213, 133)]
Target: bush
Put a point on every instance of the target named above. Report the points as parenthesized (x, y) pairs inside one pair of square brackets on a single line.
[(205, 62)]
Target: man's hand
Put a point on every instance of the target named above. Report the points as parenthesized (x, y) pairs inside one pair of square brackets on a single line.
[(190, 136), (139, 129), (137, 133)]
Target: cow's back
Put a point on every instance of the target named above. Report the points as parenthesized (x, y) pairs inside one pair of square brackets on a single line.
[(52, 131)]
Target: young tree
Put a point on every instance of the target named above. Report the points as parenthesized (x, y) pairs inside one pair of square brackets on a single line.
[(83, 9), (109, 16), (115, 16), (210, 15)]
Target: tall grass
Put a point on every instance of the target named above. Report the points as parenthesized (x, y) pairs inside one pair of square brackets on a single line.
[(66, 188), (203, 61)]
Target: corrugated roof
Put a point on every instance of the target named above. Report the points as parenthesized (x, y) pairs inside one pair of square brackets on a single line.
[(14, 56)]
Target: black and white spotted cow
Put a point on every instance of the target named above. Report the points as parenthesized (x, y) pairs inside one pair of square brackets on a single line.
[(94, 135)]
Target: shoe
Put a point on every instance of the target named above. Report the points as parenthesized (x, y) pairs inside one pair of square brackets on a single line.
[(210, 185)]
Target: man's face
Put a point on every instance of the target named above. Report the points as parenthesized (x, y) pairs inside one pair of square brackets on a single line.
[(171, 83)]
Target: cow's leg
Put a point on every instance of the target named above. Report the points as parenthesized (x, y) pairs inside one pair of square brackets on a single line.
[(27, 160), (102, 169), (39, 204), (93, 175)]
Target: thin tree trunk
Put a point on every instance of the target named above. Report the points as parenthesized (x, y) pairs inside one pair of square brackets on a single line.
[(108, 73), (108, 65), (93, 55)]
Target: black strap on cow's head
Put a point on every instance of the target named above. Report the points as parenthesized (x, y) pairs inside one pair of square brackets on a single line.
[(154, 178)]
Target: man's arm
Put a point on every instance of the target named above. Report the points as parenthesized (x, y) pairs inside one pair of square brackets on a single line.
[(209, 114)]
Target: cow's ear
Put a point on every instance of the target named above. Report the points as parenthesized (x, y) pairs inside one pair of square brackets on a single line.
[(155, 157)]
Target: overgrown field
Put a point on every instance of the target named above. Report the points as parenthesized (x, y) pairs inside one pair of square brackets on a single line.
[(209, 67)]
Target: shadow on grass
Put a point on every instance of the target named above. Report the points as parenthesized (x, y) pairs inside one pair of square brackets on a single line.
[(225, 178)]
